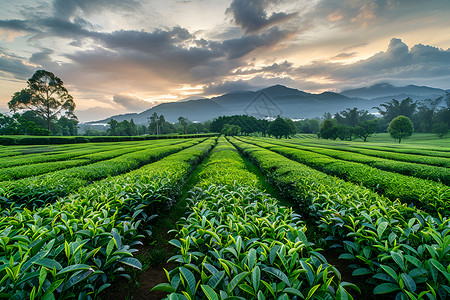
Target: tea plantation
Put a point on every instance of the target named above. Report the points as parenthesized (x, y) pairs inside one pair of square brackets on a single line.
[(256, 218)]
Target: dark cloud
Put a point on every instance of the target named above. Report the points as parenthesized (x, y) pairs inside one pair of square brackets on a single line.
[(17, 25), (43, 58), (148, 42), (251, 15), (238, 47), (63, 28), (132, 103), (15, 66)]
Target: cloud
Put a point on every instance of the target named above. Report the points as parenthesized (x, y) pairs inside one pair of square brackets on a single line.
[(375, 14), (275, 69), (15, 66), (66, 9), (420, 64), (251, 15), (133, 103), (344, 55), (17, 25), (238, 47)]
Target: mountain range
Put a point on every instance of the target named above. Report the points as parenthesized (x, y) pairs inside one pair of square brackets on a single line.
[(280, 100)]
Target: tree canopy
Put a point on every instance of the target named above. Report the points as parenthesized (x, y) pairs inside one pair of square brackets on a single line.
[(281, 127), (46, 96), (400, 127)]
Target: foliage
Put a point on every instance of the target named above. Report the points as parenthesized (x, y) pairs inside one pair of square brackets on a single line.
[(78, 246), (419, 170), (46, 188), (248, 124), (46, 96), (281, 127), (366, 128), (158, 125), (307, 126), (400, 127), (238, 243), (328, 129), (353, 117), (395, 108), (184, 123), (398, 250), (431, 196), (231, 130), (124, 128), (18, 125), (440, 129)]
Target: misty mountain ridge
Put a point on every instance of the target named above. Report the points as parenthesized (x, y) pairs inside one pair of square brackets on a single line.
[(279, 100)]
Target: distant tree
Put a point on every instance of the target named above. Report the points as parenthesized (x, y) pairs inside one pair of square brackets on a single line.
[(248, 124), (424, 117), (195, 128), (231, 130), (263, 124), (93, 132), (113, 127), (46, 96), (394, 108), (328, 129), (307, 126), (281, 127), (400, 127), (154, 123), (440, 129), (184, 123), (69, 126), (366, 129), (327, 116), (132, 128), (351, 117), (344, 132)]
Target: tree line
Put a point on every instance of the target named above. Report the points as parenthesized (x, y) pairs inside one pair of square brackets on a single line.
[(427, 116)]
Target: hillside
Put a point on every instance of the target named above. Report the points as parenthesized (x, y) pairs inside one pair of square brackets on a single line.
[(279, 100)]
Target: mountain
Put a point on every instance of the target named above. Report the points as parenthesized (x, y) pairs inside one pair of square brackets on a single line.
[(386, 90), (279, 100)]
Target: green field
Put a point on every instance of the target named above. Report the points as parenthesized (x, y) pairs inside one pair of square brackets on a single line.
[(256, 218)]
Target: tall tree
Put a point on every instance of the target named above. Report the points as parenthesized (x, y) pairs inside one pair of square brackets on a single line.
[(113, 127), (328, 129), (154, 120), (366, 129), (45, 95), (394, 108), (183, 122), (440, 129)]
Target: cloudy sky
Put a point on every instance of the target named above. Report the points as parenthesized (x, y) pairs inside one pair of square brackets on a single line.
[(118, 56)]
